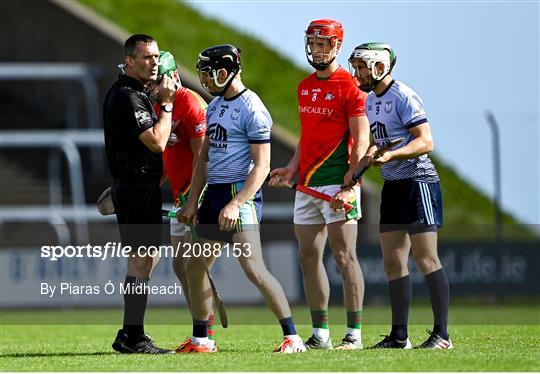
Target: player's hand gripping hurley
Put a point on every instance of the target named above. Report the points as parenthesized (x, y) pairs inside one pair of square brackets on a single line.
[(378, 153), (311, 192)]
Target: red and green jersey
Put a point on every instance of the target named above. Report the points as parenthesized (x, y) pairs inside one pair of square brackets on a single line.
[(189, 122), (325, 106)]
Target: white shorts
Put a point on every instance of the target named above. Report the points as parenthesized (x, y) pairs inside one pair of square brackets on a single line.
[(309, 210), (178, 228)]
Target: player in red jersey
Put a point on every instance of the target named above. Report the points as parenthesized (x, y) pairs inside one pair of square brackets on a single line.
[(334, 138), (179, 159)]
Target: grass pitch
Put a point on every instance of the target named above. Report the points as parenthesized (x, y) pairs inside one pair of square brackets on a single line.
[(248, 347)]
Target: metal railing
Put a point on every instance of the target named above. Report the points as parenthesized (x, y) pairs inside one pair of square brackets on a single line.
[(76, 72), (67, 142), (81, 73)]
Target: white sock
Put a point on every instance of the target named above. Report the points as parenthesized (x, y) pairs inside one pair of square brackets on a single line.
[(357, 333), (321, 334), (294, 337), (211, 343), (199, 341)]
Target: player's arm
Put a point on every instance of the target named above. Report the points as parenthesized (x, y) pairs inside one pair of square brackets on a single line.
[(200, 172), (359, 130), (368, 157), (196, 145), (294, 163), (286, 173), (188, 213), (261, 157), (155, 138), (420, 145), (260, 153)]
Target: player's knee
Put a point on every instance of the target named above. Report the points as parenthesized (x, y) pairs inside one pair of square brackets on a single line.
[(140, 266), (308, 257), (344, 259), (394, 267), (428, 264)]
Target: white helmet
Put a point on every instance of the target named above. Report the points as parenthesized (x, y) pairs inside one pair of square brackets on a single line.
[(371, 54)]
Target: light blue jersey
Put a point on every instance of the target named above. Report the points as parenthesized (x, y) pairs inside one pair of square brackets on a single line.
[(232, 125), (391, 115)]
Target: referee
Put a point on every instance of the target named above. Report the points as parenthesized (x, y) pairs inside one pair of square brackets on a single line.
[(134, 140)]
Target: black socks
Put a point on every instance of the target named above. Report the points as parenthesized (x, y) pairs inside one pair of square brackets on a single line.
[(135, 298), (400, 291), (439, 295)]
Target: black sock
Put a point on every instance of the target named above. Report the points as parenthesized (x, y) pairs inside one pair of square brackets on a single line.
[(439, 295), (400, 298), (287, 325), (135, 298), (200, 328)]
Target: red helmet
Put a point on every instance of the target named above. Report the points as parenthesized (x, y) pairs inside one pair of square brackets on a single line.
[(324, 29)]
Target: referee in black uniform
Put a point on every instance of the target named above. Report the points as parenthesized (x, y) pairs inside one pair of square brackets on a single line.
[(134, 140)]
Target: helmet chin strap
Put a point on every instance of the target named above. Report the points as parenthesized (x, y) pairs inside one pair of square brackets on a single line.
[(373, 82), (322, 65), (225, 86)]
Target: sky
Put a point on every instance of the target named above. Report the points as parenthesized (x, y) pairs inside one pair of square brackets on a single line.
[(462, 58)]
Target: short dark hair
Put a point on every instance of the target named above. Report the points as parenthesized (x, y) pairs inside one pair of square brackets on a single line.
[(130, 46)]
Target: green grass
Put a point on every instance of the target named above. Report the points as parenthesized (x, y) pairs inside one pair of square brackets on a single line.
[(247, 347)]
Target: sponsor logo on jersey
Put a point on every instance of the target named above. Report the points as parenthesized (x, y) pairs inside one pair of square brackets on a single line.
[(143, 117), (264, 129), (224, 106), (316, 90), (369, 107), (305, 92), (388, 106), (235, 114), (329, 96), (218, 136), (378, 130), (316, 110)]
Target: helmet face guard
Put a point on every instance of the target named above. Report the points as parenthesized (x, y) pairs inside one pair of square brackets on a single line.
[(214, 60), (372, 54), (323, 30)]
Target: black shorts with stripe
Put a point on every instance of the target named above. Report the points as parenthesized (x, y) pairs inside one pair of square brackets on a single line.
[(411, 205)]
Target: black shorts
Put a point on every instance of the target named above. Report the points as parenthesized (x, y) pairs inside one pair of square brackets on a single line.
[(138, 211), (214, 200), (412, 206)]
